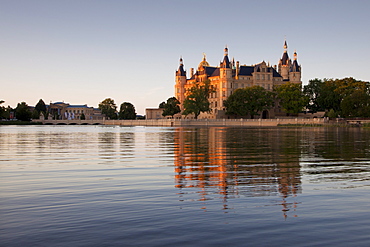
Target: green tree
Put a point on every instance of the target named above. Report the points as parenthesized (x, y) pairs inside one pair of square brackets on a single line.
[(249, 101), (161, 105), (313, 91), (329, 94), (171, 107), (40, 108), (35, 114), (357, 104), (291, 97), (127, 111), (82, 117), (2, 110), (109, 108), (197, 99), (22, 112)]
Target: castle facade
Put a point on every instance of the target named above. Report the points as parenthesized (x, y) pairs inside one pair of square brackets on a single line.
[(230, 75)]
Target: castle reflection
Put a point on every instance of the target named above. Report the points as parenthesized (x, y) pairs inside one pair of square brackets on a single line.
[(233, 162)]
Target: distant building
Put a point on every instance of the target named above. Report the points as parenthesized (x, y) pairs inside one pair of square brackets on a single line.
[(230, 75), (62, 110), (154, 113)]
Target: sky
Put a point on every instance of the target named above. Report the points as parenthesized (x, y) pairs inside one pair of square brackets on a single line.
[(84, 51)]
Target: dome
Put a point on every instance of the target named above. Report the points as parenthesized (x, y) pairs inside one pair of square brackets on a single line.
[(204, 62)]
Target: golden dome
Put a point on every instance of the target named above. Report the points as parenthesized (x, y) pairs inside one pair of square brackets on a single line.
[(204, 62)]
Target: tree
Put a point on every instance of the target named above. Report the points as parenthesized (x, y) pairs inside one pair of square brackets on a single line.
[(329, 94), (171, 107), (41, 107), (22, 112), (249, 101), (82, 117), (161, 105), (291, 97), (356, 104), (197, 99), (35, 114), (108, 107), (127, 111), (2, 110), (313, 91)]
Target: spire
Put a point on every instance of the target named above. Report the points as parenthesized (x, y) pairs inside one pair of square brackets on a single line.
[(295, 66), (285, 46), (181, 71), (226, 62), (285, 58)]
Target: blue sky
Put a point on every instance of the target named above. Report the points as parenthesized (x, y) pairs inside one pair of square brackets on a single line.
[(82, 52)]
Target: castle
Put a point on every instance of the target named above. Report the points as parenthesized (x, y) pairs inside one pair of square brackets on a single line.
[(229, 76)]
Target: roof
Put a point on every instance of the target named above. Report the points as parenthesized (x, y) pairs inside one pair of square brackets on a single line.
[(226, 62), (284, 60), (210, 70), (246, 70), (77, 106), (295, 67), (181, 70)]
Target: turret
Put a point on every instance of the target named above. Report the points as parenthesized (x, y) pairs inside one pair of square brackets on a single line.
[(284, 63), (295, 70), (180, 82), (225, 69)]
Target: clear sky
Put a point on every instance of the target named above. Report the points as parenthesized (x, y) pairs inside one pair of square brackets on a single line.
[(83, 51)]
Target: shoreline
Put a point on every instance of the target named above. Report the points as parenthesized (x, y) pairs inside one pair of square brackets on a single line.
[(279, 122)]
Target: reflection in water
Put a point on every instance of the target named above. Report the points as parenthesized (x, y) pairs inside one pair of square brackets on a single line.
[(339, 155), (234, 162), (114, 186)]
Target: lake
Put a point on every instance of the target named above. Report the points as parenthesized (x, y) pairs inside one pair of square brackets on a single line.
[(152, 186)]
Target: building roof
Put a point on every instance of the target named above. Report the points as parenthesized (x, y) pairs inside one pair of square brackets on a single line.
[(226, 62), (295, 67), (246, 70), (285, 59), (210, 70), (77, 106)]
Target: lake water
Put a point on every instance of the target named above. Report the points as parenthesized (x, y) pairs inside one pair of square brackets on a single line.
[(140, 186)]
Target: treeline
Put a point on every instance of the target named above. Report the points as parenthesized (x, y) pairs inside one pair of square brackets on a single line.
[(346, 97), (109, 109), (24, 112)]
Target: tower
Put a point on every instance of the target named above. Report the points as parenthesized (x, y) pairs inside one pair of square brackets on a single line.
[(225, 66), (180, 83), (284, 63), (295, 70)]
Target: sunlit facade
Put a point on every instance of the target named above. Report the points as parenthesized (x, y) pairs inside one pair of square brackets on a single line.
[(65, 111), (231, 75)]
